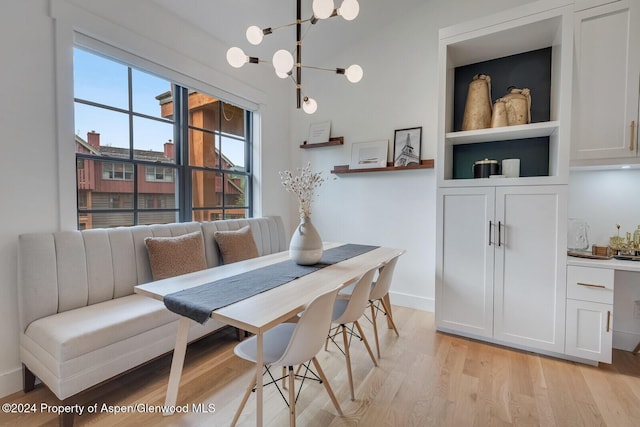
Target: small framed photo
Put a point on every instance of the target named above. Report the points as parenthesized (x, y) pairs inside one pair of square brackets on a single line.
[(365, 155), (406, 147), (319, 132)]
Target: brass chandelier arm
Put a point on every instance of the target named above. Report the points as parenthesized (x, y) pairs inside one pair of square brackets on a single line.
[(270, 30), (334, 70)]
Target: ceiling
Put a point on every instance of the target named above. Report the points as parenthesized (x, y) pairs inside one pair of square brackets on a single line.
[(227, 20)]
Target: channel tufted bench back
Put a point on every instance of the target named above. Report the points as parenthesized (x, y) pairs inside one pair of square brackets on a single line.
[(65, 270)]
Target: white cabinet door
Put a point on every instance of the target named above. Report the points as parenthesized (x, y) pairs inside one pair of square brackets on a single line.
[(589, 330), (464, 264), (606, 81), (530, 272)]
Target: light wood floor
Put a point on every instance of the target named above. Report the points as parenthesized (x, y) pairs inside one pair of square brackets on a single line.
[(424, 379)]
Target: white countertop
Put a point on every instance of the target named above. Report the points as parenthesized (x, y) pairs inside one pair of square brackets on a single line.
[(614, 264)]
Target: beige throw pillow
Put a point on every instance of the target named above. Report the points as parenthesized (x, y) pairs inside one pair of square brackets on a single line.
[(236, 245), (173, 256)]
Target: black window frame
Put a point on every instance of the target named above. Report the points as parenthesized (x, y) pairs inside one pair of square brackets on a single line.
[(182, 175)]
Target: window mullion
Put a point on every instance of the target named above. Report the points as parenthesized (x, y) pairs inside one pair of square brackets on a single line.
[(181, 135)]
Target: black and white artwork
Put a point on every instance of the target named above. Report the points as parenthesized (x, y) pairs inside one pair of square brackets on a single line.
[(406, 147)]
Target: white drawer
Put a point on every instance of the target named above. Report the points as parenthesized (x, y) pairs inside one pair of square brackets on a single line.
[(590, 284)]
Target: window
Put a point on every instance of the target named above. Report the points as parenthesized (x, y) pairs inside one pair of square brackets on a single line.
[(121, 171), (155, 173), (149, 150)]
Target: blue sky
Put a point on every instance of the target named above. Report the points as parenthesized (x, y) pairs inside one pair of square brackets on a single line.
[(104, 81)]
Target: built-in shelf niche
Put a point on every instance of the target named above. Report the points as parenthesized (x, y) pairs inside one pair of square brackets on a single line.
[(522, 52)]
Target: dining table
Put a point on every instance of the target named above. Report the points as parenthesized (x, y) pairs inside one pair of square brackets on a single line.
[(258, 313)]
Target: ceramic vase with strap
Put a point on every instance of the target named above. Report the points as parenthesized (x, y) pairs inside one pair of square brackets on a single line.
[(518, 106), (477, 110)]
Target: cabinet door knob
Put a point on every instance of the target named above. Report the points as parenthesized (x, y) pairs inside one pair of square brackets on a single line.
[(633, 135)]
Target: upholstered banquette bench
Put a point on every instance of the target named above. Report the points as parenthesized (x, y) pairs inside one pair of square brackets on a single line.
[(80, 321)]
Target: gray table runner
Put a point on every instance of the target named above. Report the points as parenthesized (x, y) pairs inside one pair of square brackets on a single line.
[(198, 302)]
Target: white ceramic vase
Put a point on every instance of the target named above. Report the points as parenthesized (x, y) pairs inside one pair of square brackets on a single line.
[(305, 247)]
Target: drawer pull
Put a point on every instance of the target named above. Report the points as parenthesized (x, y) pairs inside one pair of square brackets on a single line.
[(608, 320), (589, 285)]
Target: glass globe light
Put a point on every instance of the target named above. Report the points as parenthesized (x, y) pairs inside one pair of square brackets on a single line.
[(322, 9), (236, 57), (349, 9), (282, 75), (354, 73), (282, 61), (309, 105), (254, 35)]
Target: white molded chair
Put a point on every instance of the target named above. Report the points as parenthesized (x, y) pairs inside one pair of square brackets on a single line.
[(347, 311), (377, 297), (290, 344)]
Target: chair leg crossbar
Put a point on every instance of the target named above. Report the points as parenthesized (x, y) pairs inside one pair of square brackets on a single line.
[(303, 377), (335, 331)]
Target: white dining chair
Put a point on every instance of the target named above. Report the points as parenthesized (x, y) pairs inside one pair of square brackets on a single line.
[(347, 312), (290, 344), (377, 297)]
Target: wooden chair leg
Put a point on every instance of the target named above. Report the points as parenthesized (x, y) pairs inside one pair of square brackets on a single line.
[(252, 384), (366, 343), (637, 349), (326, 385), (292, 398), (347, 355), (284, 377), (387, 310), (375, 327)]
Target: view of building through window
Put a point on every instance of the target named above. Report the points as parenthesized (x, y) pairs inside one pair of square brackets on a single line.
[(151, 151)]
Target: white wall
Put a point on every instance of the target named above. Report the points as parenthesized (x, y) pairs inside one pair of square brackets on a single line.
[(605, 198), (399, 90), (27, 119)]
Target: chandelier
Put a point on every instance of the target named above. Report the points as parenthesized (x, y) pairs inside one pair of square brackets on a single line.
[(283, 61)]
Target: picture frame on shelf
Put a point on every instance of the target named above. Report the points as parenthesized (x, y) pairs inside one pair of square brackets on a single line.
[(406, 147), (370, 154), (319, 132)]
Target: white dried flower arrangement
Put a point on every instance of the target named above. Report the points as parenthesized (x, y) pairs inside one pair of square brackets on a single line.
[(303, 185)]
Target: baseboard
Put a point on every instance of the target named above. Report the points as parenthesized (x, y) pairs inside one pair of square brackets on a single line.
[(10, 382), (623, 340), (412, 301)]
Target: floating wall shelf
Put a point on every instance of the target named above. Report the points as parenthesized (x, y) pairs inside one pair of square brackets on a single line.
[(336, 140), (344, 169)]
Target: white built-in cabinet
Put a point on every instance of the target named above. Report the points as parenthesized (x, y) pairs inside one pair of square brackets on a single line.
[(586, 4), (606, 84), (589, 332), (501, 264), (501, 243)]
